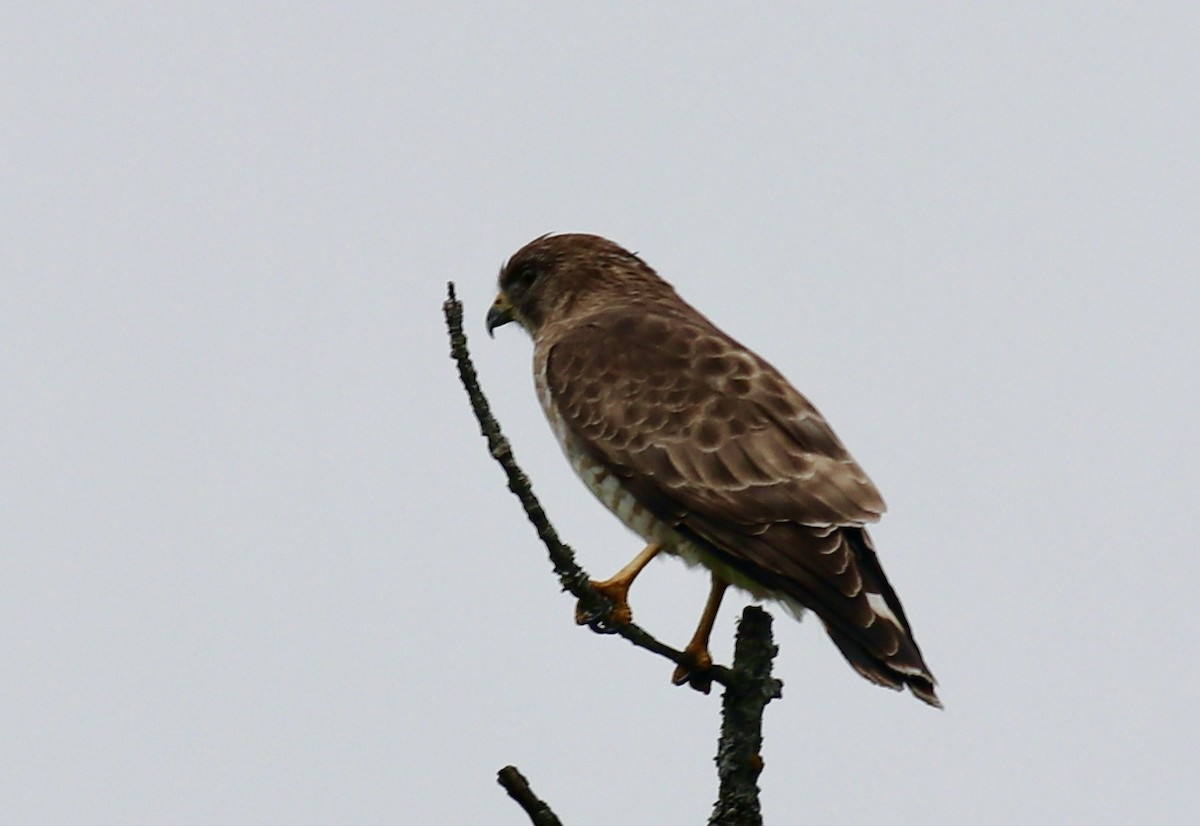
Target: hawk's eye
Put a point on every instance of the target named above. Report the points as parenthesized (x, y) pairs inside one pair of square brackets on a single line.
[(524, 277)]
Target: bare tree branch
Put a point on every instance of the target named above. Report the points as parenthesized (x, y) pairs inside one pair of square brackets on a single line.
[(573, 578), (749, 685), (518, 789), (739, 759)]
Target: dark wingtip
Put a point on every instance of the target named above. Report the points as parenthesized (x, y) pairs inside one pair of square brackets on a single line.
[(923, 690)]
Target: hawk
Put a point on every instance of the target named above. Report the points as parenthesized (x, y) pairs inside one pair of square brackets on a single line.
[(702, 448)]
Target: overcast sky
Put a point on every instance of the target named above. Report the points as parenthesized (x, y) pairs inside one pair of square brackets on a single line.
[(256, 565)]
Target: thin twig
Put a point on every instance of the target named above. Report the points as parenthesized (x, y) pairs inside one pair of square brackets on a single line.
[(749, 686), (739, 758), (573, 578), (518, 789)]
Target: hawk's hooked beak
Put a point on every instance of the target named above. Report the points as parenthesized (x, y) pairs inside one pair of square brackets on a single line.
[(500, 314)]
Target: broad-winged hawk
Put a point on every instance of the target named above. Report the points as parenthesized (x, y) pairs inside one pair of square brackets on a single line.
[(705, 450)]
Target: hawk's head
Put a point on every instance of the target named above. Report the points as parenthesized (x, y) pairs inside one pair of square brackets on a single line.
[(556, 277)]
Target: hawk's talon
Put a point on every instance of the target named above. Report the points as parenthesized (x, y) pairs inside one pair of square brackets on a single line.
[(588, 616), (696, 670), (606, 621), (600, 625)]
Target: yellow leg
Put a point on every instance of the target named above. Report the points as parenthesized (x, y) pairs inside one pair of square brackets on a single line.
[(699, 660), (616, 588)]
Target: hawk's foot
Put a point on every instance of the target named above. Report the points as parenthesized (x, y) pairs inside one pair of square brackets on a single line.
[(695, 670), (696, 667), (616, 592)]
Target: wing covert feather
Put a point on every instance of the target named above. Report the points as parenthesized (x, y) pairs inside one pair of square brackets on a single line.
[(710, 427)]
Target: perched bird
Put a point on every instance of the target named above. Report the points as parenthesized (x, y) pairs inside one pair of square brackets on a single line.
[(702, 448)]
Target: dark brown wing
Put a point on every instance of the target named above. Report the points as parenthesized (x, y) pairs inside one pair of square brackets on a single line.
[(711, 438)]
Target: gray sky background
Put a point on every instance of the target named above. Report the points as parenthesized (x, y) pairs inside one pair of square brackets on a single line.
[(257, 567)]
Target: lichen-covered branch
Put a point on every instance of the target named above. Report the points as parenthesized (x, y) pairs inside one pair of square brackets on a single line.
[(540, 813), (739, 751)]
